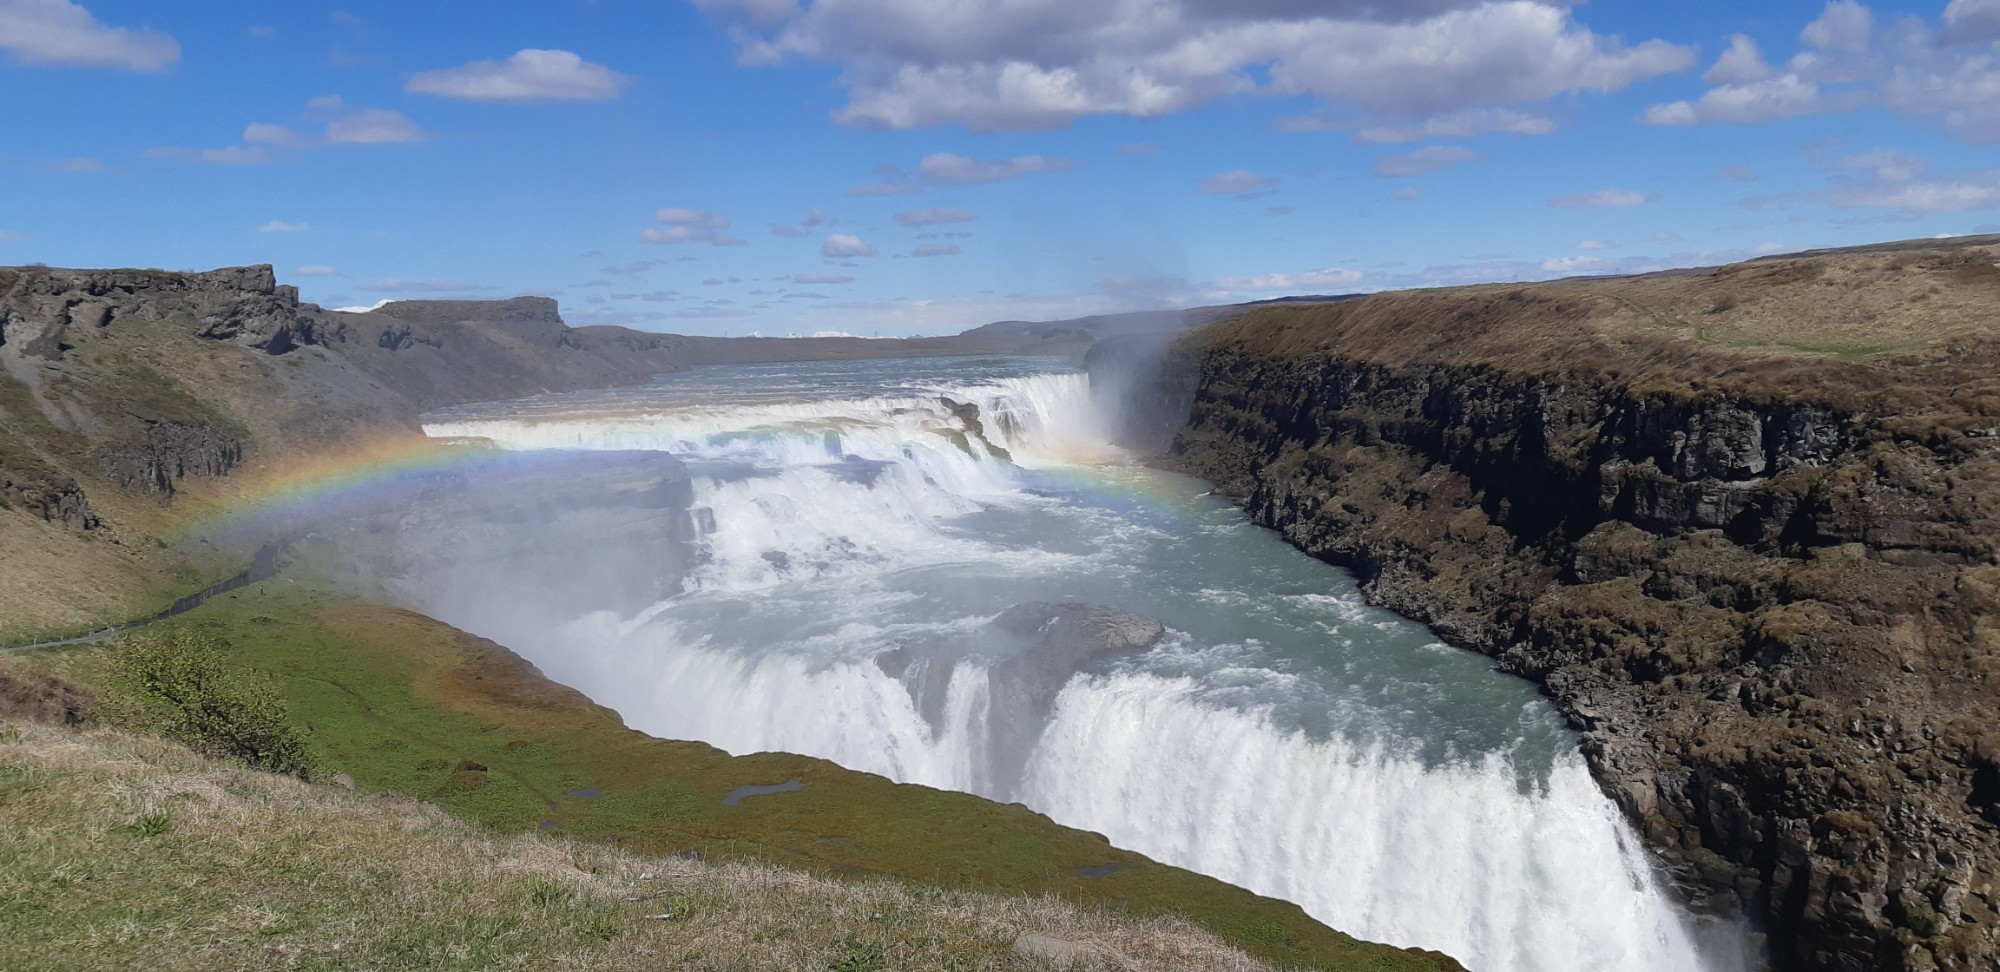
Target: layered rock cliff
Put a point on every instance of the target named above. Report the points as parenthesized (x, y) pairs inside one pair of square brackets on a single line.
[(141, 380), (1743, 525)]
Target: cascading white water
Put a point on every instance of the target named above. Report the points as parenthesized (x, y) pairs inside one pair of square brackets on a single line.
[(1285, 737)]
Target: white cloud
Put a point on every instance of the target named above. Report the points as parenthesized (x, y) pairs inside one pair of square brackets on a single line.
[(1571, 264), (1886, 165), (529, 75), (77, 164), (1785, 96), (1742, 63), (265, 142), (262, 133), (1310, 281), (1601, 199), (841, 245), (820, 278), (1238, 183), (12, 236), (1944, 72), (1430, 158), (934, 217), (59, 33), (280, 226), (1972, 21), (1023, 64), (1406, 194), (1845, 25), (1590, 246), (316, 270), (947, 169), (679, 225), (1948, 196), (936, 250), (1459, 124), (374, 126)]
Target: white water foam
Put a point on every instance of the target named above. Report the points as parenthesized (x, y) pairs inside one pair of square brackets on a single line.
[(817, 504)]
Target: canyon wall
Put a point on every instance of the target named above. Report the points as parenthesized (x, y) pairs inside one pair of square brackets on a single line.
[(1742, 525)]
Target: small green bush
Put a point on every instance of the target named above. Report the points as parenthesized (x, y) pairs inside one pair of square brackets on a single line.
[(180, 685)]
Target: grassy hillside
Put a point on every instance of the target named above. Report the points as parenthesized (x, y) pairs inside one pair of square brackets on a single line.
[(122, 852), (408, 705)]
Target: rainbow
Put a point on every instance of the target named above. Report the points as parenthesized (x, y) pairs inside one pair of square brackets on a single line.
[(366, 474)]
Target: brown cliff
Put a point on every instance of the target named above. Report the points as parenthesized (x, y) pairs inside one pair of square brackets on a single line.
[(1742, 524)]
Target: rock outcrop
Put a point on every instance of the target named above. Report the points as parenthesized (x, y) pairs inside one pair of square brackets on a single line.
[(1762, 583)]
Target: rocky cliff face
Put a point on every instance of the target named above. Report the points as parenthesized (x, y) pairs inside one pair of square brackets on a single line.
[(1767, 597)]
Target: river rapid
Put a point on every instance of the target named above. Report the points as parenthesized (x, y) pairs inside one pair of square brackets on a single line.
[(1284, 736)]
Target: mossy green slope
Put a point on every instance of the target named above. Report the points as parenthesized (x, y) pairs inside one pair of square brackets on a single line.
[(405, 703)]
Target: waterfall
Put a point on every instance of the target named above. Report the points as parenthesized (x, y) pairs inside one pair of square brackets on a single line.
[(1286, 737)]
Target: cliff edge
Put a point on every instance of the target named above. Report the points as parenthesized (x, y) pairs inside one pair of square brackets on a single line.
[(1742, 524)]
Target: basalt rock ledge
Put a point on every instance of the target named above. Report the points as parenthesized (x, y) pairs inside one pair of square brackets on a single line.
[(1742, 525)]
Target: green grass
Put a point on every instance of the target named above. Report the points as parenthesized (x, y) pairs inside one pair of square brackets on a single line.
[(406, 704), (122, 852)]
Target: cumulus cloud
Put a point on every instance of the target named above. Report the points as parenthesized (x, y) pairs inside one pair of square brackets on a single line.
[(280, 226), (341, 125), (1972, 21), (1238, 184), (841, 246), (316, 270), (1845, 25), (1458, 124), (936, 250), (1941, 71), (529, 75), (1406, 194), (934, 217), (1601, 199), (678, 225), (820, 278), (1590, 246), (1742, 63), (1026, 65), (1431, 158), (59, 33)]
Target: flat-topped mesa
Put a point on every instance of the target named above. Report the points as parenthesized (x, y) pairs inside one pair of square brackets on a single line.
[(45, 311), (1742, 524), (513, 310)]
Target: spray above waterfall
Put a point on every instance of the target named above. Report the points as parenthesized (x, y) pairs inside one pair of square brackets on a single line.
[(896, 559)]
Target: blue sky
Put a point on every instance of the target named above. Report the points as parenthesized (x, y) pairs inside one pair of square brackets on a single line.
[(916, 166)]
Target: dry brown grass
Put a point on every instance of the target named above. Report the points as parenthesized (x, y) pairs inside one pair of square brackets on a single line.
[(1906, 326), (125, 852)]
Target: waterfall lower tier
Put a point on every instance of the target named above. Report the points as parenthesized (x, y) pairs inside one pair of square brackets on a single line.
[(863, 523)]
